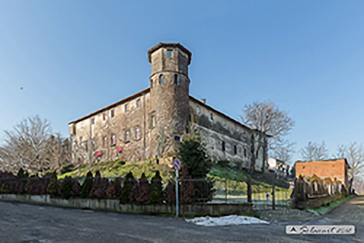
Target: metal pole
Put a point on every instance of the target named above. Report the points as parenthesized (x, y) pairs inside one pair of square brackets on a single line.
[(177, 212), (273, 193)]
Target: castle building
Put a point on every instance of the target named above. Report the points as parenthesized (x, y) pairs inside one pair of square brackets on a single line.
[(152, 122)]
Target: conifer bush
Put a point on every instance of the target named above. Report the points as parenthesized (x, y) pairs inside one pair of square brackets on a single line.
[(66, 187), (156, 190), (193, 155), (99, 186), (87, 185), (129, 182), (187, 187), (76, 189), (170, 193), (114, 189), (143, 192)]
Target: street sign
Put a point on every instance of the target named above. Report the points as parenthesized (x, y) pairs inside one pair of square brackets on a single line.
[(176, 164)]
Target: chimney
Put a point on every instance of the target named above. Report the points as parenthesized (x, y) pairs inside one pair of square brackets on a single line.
[(203, 100)]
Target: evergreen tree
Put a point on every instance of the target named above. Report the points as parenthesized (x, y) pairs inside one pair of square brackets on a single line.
[(143, 192), (87, 185), (170, 193), (187, 187), (156, 191), (66, 187), (127, 187), (193, 155)]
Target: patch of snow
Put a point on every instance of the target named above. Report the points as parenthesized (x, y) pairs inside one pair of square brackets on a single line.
[(226, 220)]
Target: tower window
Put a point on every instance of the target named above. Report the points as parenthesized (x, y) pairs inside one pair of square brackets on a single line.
[(112, 113), (74, 129), (244, 152), (169, 53), (152, 121), (235, 150), (93, 121), (126, 108), (223, 146), (104, 141), (175, 79), (137, 103), (104, 115), (161, 79), (212, 116), (151, 83)]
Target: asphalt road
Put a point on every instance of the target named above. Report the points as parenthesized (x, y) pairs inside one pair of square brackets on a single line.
[(34, 223)]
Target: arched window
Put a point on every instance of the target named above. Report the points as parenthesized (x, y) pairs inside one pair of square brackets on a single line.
[(175, 79), (161, 79)]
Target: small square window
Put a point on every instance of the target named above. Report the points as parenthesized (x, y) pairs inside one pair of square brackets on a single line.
[(303, 167), (177, 138), (212, 116), (169, 53)]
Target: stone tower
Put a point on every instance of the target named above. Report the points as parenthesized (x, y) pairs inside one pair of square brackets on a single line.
[(169, 96)]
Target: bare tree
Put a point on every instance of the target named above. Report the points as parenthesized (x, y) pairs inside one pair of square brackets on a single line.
[(354, 154), (59, 151), (27, 145), (270, 120), (283, 153), (314, 151)]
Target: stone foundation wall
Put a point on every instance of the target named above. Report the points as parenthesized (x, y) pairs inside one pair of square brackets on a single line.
[(114, 205)]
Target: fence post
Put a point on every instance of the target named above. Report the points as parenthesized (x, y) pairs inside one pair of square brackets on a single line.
[(273, 194), (249, 191)]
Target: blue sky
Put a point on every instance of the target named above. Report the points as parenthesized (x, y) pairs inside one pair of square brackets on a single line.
[(74, 57)]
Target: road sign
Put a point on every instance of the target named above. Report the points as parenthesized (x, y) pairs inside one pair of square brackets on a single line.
[(177, 164)]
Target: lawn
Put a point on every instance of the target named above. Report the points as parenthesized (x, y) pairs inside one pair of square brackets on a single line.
[(228, 181)]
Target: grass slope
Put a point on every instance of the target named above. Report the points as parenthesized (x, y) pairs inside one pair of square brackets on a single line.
[(227, 180)]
